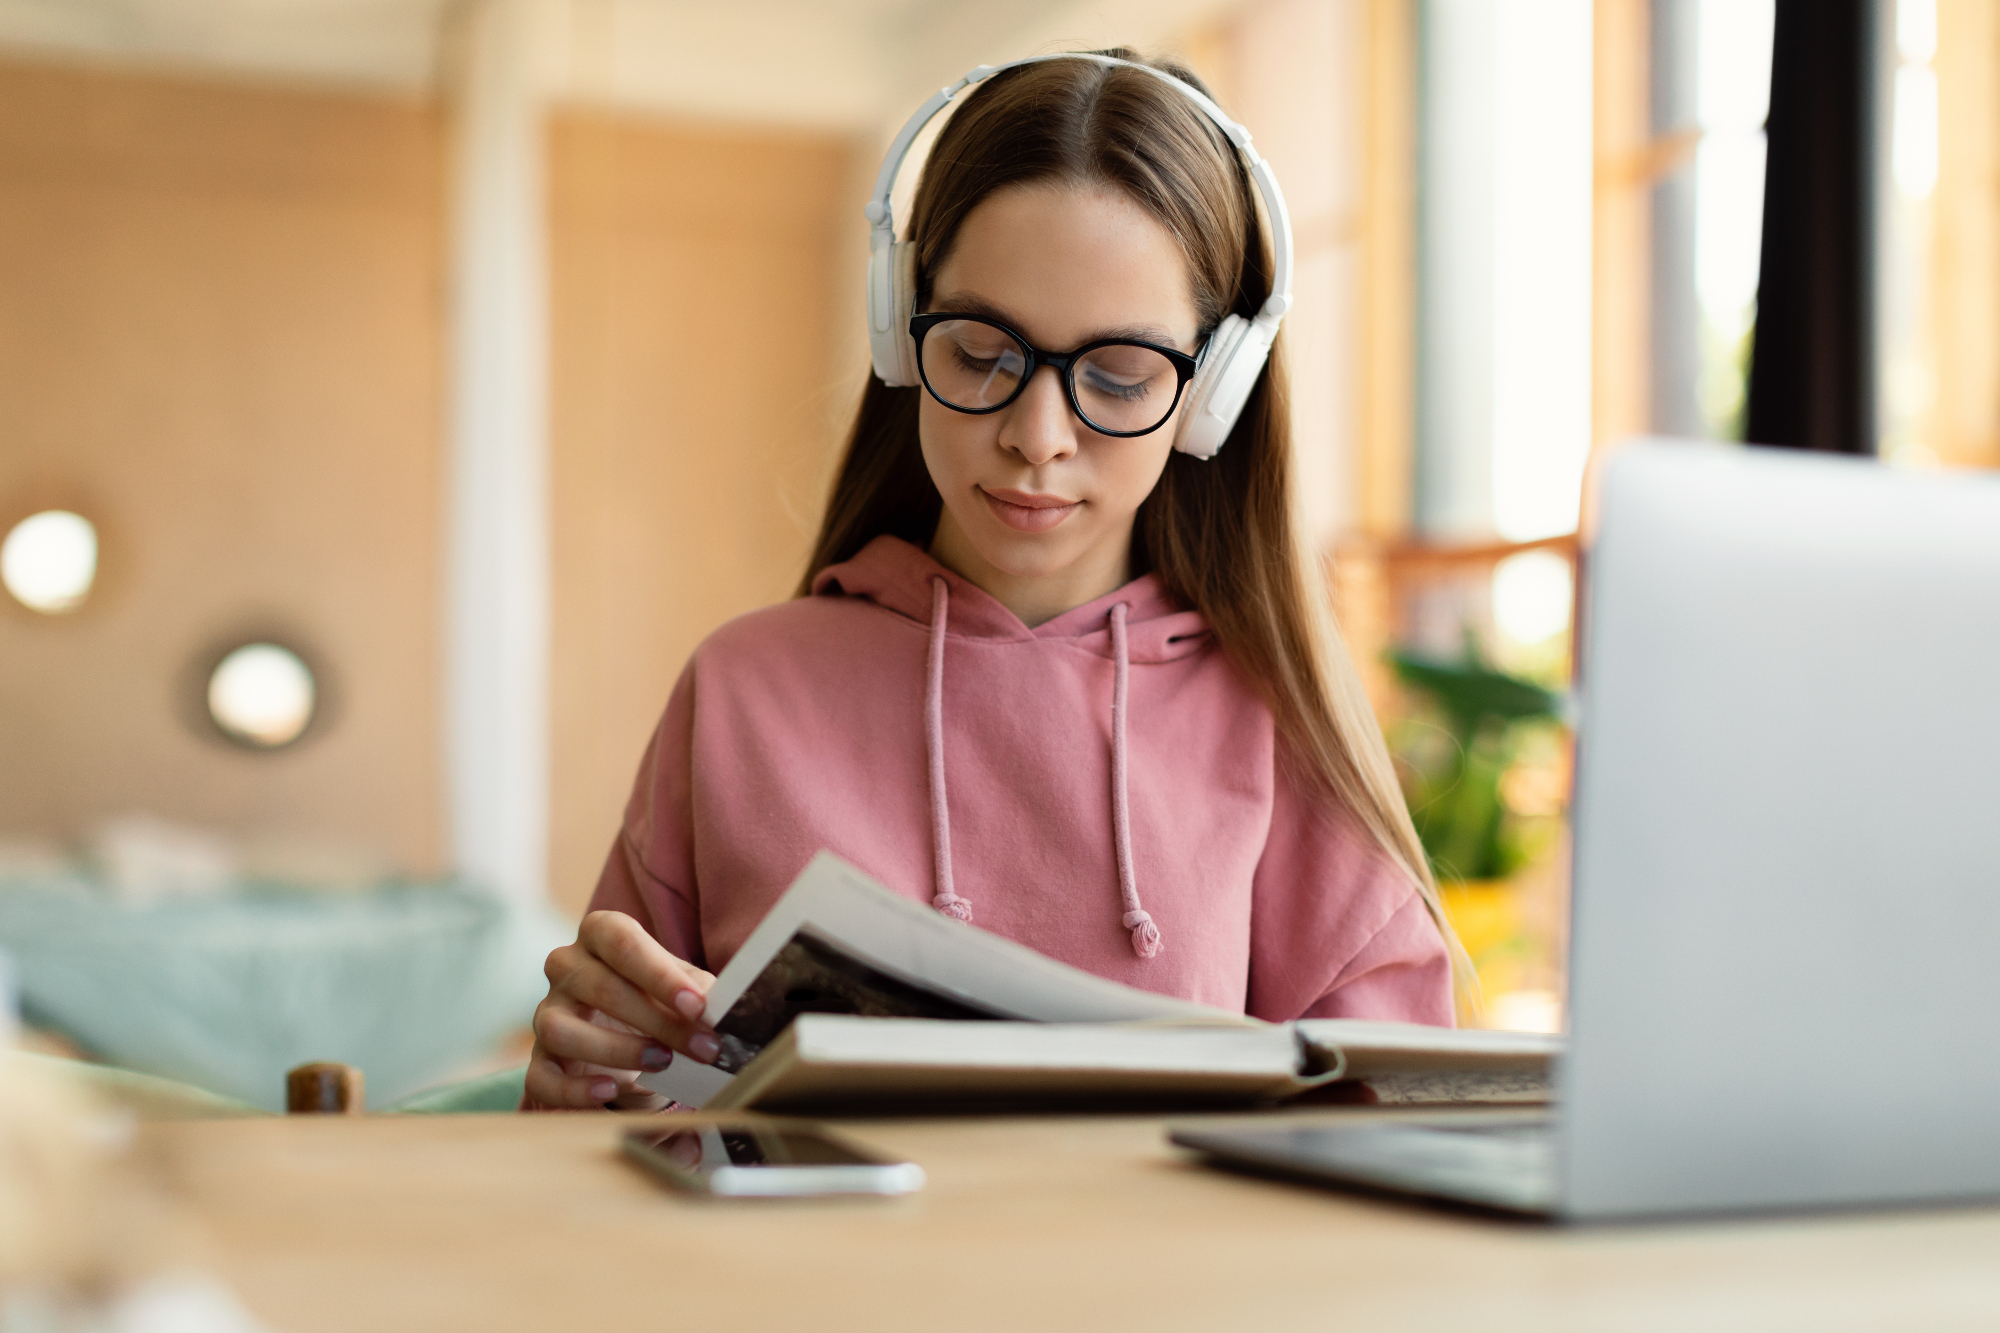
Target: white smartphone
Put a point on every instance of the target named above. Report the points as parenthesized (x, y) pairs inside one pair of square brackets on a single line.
[(763, 1161)]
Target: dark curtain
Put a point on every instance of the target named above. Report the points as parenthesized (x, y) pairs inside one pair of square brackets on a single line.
[(1812, 364)]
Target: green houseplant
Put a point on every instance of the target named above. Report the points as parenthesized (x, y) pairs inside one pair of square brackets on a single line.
[(1453, 761)]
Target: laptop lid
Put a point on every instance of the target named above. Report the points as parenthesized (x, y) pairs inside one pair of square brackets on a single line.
[(1785, 955)]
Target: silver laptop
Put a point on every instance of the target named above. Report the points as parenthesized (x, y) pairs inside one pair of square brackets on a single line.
[(1785, 957)]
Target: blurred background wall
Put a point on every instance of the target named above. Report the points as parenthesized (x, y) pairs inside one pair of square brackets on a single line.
[(221, 339), (696, 275)]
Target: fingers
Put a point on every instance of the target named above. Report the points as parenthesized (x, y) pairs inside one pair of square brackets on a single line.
[(550, 1088), (587, 1027), (584, 980), (555, 1084), (619, 1003), (625, 947), (566, 1034)]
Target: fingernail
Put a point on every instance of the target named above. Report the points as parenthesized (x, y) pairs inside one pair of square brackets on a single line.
[(704, 1047), (691, 1003), (603, 1089), (655, 1058)]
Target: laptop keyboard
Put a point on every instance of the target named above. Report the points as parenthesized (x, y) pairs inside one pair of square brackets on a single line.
[(1505, 1162)]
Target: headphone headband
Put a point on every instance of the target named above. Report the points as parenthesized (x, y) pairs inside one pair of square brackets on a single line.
[(1236, 351), (880, 214)]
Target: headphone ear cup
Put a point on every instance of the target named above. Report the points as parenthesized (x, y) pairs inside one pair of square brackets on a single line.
[(1201, 431), (905, 258), (1237, 352), (891, 289)]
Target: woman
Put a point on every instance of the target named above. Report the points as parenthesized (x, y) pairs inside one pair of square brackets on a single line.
[(1043, 672)]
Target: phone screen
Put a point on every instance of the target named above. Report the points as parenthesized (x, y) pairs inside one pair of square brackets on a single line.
[(766, 1160)]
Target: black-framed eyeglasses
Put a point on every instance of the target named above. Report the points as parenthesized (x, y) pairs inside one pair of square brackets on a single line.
[(1117, 386)]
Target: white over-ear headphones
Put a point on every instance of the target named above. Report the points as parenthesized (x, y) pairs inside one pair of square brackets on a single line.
[(1236, 351)]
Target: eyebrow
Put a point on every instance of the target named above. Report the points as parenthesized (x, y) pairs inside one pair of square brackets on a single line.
[(968, 304)]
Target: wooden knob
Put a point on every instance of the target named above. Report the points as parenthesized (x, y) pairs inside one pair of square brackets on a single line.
[(325, 1088)]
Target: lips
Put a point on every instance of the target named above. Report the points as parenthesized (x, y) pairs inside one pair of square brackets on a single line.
[(1026, 512)]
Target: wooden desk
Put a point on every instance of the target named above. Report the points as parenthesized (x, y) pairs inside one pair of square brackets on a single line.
[(499, 1222)]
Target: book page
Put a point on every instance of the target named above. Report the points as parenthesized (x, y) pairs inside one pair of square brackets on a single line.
[(1365, 1048), (893, 947), (812, 976)]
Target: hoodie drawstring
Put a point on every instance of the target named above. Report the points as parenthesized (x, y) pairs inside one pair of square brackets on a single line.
[(945, 900), (1145, 935)]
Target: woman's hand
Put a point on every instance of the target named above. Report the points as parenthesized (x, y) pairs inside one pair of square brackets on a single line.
[(618, 1005)]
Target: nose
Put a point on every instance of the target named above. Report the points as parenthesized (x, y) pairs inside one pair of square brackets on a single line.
[(1038, 425)]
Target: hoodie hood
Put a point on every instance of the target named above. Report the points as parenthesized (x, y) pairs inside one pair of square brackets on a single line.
[(898, 577)]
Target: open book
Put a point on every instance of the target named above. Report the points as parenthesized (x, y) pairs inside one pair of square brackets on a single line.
[(848, 997)]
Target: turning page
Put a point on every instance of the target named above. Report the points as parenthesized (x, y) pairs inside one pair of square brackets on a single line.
[(838, 942)]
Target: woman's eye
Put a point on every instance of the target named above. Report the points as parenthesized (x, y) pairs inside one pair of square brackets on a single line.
[(971, 360), (1130, 391), (1123, 373), (986, 354)]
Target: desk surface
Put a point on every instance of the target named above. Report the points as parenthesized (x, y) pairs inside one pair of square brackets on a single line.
[(531, 1222)]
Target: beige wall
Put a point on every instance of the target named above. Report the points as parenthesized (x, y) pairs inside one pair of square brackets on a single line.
[(1328, 89), (1292, 71), (220, 339), (693, 275)]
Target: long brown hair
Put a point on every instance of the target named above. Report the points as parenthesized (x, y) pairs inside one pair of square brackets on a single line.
[(1222, 534)]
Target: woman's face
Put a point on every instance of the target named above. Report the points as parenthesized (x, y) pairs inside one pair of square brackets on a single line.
[(1036, 503)]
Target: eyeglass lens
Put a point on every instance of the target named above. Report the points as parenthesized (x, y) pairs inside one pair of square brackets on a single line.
[(977, 367)]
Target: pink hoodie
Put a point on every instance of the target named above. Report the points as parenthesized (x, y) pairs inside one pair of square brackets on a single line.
[(1103, 788)]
